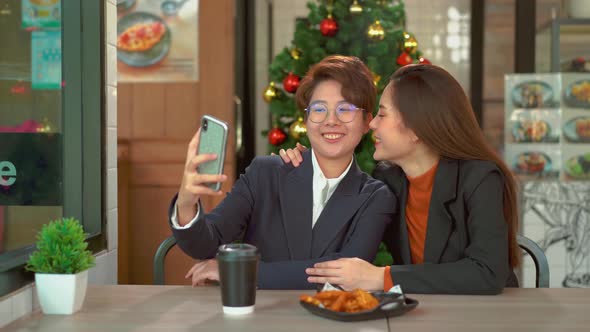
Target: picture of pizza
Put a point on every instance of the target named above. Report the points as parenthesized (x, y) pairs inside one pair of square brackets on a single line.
[(141, 36)]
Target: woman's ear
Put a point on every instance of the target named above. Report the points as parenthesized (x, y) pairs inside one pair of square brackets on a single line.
[(413, 137)]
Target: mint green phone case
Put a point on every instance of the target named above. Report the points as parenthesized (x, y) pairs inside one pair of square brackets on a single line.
[(213, 139)]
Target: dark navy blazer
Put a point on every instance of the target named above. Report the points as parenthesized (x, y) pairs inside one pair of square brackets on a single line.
[(270, 206)]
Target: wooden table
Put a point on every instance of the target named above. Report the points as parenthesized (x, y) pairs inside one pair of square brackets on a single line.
[(180, 308)]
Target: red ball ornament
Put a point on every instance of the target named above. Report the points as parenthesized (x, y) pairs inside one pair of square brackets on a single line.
[(276, 136), (423, 60), (329, 27), (291, 83), (404, 59)]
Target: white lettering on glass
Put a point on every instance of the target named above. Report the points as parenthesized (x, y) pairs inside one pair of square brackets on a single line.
[(7, 173)]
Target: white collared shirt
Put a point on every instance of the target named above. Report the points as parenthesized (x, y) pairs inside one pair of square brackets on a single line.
[(321, 194), (319, 187), (174, 217)]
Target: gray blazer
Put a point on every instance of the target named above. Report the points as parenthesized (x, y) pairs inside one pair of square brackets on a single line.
[(271, 205), (466, 248)]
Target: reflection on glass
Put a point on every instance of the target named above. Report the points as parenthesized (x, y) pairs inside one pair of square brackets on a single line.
[(30, 119)]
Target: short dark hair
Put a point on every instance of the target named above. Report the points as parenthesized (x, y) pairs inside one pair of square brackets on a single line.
[(350, 71)]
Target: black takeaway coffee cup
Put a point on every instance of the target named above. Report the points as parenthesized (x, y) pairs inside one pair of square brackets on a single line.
[(238, 272)]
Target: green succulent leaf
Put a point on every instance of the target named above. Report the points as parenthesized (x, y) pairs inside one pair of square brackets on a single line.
[(61, 249)]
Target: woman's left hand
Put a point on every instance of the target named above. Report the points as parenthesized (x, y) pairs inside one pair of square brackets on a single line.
[(203, 271), (348, 273)]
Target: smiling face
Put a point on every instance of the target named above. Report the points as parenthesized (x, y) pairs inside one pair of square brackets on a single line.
[(394, 142), (333, 139)]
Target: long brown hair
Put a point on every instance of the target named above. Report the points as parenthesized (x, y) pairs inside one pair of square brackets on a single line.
[(435, 107)]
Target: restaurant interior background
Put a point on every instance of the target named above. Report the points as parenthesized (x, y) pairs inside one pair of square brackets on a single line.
[(477, 44), (128, 129)]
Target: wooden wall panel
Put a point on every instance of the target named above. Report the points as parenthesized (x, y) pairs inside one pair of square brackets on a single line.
[(124, 108), (157, 175), (176, 265), (158, 150), (148, 210), (123, 212), (148, 112), (182, 116), (157, 120), (217, 94)]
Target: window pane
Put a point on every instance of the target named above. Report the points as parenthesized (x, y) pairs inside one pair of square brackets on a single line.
[(31, 171)]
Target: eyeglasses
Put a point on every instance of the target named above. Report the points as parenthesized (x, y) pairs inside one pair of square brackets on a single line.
[(345, 112)]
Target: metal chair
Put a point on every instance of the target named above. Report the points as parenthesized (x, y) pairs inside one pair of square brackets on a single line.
[(539, 258), (160, 257), (528, 245)]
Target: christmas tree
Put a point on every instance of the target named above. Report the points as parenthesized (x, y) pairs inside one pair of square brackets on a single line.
[(372, 30)]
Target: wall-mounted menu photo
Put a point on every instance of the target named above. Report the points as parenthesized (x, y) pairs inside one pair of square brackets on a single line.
[(533, 126), (576, 90), (157, 41), (538, 161), (532, 90), (576, 126), (576, 162)]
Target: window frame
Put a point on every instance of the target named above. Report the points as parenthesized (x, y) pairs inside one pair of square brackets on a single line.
[(83, 127)]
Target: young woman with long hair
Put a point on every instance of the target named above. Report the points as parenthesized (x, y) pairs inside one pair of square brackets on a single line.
[(456, 228)]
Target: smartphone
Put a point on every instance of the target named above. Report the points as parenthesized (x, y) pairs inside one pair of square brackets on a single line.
[(213, 139)]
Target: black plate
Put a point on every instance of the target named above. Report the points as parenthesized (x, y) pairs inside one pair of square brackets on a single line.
[(390, 305)]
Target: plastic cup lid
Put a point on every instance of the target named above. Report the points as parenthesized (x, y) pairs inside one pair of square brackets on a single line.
[(237, 250)]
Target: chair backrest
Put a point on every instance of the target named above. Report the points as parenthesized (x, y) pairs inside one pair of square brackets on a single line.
[(160, 257), (528, 245), (539, 258)]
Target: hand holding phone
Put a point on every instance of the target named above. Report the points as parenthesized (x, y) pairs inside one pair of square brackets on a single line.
[(204, 166), (212, 140)]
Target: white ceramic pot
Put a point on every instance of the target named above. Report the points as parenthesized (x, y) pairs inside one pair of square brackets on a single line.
[(61, 294), (578, 8)]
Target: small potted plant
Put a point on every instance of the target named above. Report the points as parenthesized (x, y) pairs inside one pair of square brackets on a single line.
[(61, 264)]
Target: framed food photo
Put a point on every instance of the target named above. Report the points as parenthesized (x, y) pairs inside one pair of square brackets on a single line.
[(575, 126), (532, 91), (576, 162), (534, 161), (157, 40), (533, 126), (576, 90)]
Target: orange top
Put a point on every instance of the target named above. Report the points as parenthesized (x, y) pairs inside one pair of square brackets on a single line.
[(419, 193), (417, 207)]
